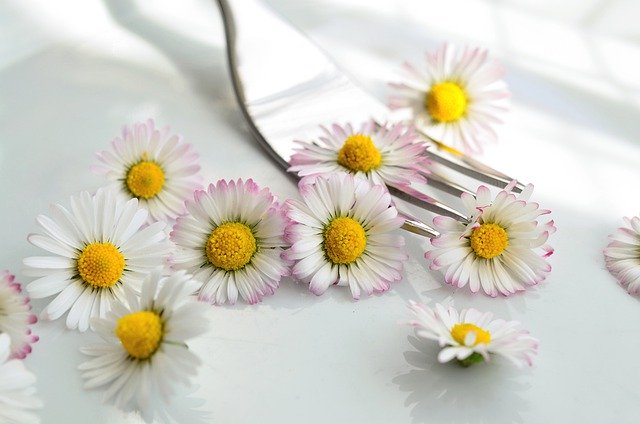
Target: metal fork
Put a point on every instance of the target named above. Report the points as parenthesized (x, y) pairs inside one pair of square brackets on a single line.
[(286, 86)]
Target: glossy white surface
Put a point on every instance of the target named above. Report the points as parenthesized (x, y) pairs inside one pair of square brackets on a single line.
[(72, 73)]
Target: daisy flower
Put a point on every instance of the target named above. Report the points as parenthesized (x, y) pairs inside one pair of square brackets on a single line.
[(622, 255), (456, 98), (341, 233), (391, 154), (17, 391), (100, 252), (16, 316), (143, 351), (501, 250), (154, 166), (471, 336), (231, 240)]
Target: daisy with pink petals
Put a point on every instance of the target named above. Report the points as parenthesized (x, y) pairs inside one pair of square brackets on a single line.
[(456, 97), (154, 166), (18, 399), (622, 255), (231, 240), (16, 316), (390, 154), (342, 233), (470, 336), (501, 250)]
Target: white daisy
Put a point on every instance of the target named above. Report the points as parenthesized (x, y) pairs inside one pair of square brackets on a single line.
[(471, 336), (16, 316), (456, 98), (154, 166), (231, 240), (622, 255), (100, 251), (17, 392), (503, 248), (390, 154), (342, 233), (144, 352)]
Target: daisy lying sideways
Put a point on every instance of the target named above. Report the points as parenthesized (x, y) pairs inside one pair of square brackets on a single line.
[(456, 97), (144, 351), (501, 250), (470, 336), (15, 316), (18, 399), (622, 255)]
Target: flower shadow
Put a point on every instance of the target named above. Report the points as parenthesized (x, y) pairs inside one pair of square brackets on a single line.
[(450, 393), (289, 295), (183, 408), (202, 64)]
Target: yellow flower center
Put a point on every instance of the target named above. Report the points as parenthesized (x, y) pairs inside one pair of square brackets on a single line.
[(459, 333), (231, 246), (358, 153), (344, 240), (100, 265), (140, 333), (446, 102), (145, 179), (489, 240)]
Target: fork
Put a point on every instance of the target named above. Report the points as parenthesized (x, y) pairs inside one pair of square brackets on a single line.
[(286, 86)]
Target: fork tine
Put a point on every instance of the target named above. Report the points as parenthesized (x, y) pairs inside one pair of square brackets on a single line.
[(470, 167), (443, 183), (416, 226), (458, 161), (424, 201)]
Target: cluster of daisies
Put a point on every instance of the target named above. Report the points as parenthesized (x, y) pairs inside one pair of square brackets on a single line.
[(126, 260)]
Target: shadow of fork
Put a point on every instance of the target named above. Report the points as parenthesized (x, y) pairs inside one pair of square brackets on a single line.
[(203, 65)]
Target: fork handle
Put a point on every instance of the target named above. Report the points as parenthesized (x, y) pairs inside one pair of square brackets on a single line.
[(237, 19), (238, 16)]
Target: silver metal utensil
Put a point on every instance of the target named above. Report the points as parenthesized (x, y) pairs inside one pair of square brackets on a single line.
[(286, 86)]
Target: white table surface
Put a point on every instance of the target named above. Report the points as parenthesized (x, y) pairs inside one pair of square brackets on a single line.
[(72, 73)]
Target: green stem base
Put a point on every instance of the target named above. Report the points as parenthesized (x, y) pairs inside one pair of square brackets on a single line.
[(474, 358)]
